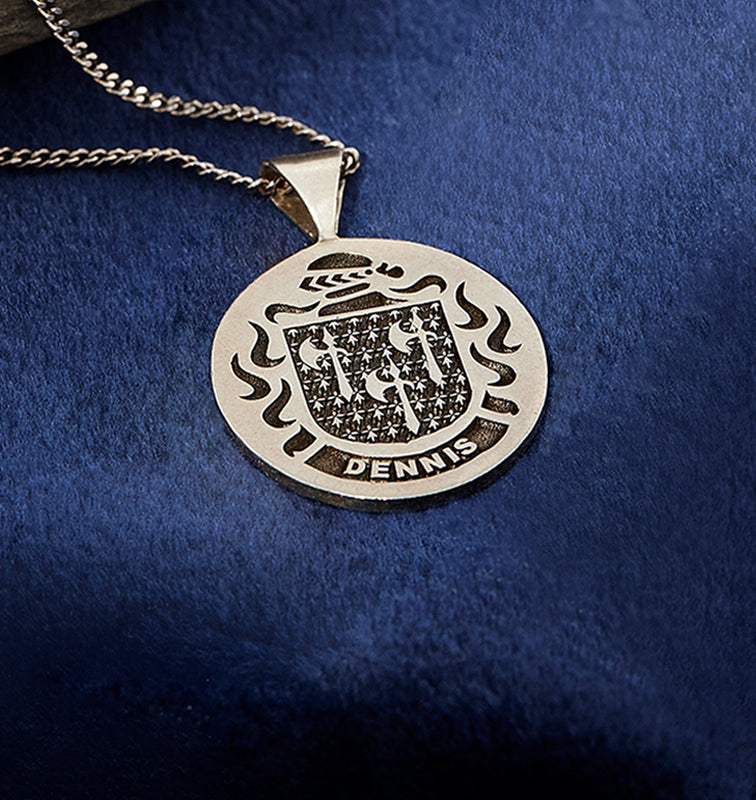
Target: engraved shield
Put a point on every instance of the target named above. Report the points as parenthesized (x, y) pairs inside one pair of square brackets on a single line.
[(388, 376)]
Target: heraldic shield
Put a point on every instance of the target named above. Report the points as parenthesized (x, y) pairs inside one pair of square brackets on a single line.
[(387, 376)]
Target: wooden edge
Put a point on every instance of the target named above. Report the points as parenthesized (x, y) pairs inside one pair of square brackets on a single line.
[(21, 25)]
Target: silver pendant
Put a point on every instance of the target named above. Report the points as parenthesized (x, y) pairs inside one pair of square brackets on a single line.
[(371, 372)]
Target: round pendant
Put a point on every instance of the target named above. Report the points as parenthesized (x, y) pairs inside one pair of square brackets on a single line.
[(370, 372)]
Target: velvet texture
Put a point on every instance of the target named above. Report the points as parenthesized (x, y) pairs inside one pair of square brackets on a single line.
[(176, 624)]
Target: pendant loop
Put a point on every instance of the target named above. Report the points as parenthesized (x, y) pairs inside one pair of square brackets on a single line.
[(312, 198)]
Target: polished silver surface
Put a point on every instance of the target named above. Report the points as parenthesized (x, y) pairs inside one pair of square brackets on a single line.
[(372, 372), (368, 371)]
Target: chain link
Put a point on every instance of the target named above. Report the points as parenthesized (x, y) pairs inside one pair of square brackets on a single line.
[(142, 97), (99, 157)]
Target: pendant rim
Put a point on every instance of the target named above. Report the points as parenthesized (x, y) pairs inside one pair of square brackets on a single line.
[(483, 468)]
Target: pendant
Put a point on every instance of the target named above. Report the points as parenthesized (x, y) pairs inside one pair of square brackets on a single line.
[(372, 372)]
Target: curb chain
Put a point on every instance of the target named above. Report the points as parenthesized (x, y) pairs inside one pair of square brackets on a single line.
[(142, 97)]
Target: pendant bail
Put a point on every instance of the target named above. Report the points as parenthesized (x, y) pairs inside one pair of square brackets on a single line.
[(312, 198)]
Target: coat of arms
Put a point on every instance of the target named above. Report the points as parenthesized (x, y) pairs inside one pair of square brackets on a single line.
[(369, 375), (379, 377)]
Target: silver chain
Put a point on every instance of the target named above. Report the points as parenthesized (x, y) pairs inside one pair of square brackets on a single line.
[(142, 97)]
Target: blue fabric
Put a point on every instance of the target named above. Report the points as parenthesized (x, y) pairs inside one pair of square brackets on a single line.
[(176, 624)]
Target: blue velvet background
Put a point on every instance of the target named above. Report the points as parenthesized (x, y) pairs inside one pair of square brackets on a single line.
[(175, 624)]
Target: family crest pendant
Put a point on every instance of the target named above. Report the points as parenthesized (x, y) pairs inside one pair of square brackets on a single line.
[(372, 372)]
